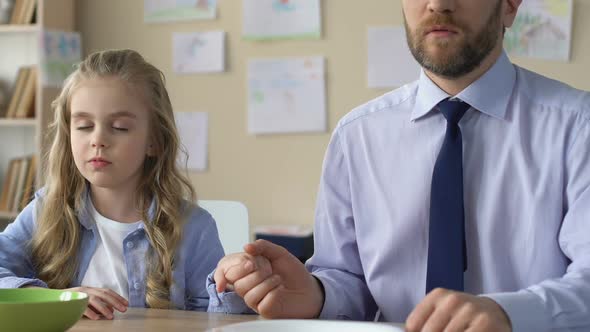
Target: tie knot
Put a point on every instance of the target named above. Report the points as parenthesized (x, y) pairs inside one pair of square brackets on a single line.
[(453, 110)]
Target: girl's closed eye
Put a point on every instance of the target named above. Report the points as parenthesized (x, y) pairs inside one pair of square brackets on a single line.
[(83, 126), (120, 126)]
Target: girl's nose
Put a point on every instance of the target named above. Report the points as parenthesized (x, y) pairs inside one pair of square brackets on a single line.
[(95, 144), (99, 140)]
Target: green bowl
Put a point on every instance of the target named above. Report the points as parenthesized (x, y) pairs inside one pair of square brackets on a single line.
[(38, 309)]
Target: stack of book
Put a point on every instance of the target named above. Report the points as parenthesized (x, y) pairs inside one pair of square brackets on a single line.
[(19, 184), (23, 12), (22, 102)]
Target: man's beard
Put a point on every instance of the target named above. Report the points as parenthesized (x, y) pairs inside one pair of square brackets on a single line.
[(469, 53)]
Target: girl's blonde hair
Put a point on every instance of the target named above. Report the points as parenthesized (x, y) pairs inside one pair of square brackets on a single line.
[(56, 241)]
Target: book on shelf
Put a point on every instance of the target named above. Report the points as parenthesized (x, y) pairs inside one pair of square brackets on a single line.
[(18, 187), (12, 185), (26, 106), (22, 101), (23, 12), (16, 11), (29, 188), (19, 83), (6, 186), (28, 15), (20, 183)]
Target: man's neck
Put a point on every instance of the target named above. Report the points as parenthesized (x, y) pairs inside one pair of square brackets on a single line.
[(453, 86), (117, 204)]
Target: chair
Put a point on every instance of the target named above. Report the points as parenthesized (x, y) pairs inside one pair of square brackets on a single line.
[(232, 223)]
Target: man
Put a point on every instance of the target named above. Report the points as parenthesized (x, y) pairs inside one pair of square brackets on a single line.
[(460, 202)]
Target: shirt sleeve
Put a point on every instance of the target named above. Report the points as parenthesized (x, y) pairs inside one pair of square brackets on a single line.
[(336, 261), (203, 256), (225, 302), (562, 304), (16, 267)]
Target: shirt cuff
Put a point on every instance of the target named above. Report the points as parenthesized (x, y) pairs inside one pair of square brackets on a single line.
[(524, 309), (226, 302), (330, 310), (17, 282)]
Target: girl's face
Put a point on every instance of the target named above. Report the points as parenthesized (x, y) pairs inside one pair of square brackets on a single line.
[(109, 132)]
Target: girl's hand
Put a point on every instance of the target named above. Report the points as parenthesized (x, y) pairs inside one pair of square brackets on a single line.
[(102, 302), (240, 272)]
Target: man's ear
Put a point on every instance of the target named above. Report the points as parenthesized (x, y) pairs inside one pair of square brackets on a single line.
[(510, 11)]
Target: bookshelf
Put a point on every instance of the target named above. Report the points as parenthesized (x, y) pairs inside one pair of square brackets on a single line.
[(22, 28), (17, 122), (20, 45), (8, 215)]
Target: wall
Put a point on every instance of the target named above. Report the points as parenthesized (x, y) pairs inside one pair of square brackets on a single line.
[(275, 176)]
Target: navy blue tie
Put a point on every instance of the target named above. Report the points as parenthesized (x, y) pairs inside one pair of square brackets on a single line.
[(447, 259)]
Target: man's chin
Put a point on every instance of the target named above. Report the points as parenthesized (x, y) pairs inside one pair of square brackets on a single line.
[(440, 62), (443, 51), (442, 67)]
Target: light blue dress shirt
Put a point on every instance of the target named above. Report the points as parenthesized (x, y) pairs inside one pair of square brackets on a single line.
[(198, 254), (527, 200)]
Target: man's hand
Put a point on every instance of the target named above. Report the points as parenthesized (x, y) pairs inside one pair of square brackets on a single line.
[(286, 291), (445, 310), (243, 269)]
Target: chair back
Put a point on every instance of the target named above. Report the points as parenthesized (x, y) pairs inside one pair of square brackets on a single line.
[(231, 218)]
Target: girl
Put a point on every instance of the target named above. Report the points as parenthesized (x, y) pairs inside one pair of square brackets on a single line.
[(115, 219)]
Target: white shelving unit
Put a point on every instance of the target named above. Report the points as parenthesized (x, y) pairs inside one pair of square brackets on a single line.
[(20, 45)]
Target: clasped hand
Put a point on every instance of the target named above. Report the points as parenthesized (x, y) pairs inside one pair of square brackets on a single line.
[(271, 281)]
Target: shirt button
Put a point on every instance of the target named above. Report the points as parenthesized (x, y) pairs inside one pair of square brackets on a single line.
[(130, 245), (136, 285)]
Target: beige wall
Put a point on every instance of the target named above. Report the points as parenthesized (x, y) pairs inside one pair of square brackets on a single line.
[(275, 176)]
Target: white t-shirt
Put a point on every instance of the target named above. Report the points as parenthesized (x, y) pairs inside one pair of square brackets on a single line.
[(107, 267)]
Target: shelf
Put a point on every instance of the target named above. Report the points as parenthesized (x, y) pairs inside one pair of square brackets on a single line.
[(17, 122), (8, 215), (26, 28), (21, 45)]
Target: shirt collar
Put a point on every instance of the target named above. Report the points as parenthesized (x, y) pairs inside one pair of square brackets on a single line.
[(490, 94), (85, 215)]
